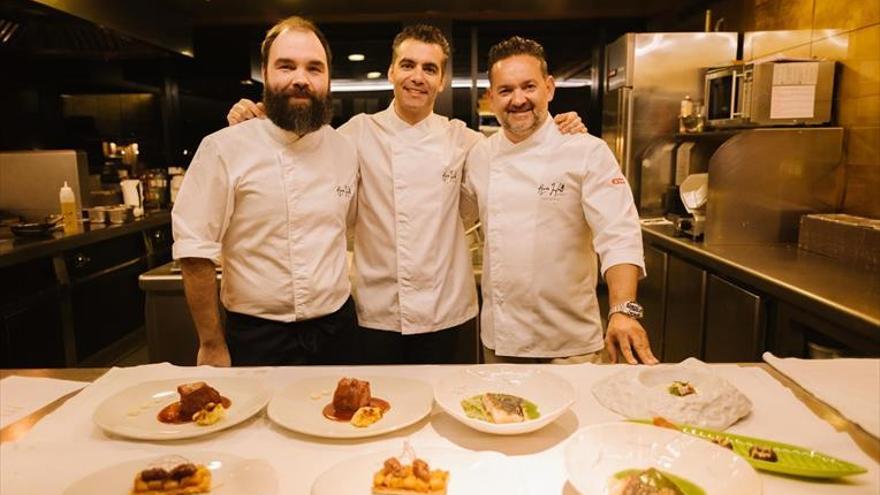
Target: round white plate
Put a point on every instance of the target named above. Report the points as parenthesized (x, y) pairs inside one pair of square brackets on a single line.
[(469, 473), (299, 406), (551, 393), (132, 412), (230, 475), (596, 453)]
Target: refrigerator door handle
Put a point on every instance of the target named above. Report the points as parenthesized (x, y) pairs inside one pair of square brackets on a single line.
[(626, 132)]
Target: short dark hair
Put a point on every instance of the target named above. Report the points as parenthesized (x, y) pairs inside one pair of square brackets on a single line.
[(425, 33), (517, 45), (295, 23)]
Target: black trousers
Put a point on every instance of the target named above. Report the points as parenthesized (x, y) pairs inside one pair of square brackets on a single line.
[(329, 339), (440, 347)]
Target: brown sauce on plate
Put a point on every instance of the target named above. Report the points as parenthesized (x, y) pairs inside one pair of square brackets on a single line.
[(330, 412), (171, 413)]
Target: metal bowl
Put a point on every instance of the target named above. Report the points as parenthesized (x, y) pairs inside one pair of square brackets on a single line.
[(98, 214), (120, 214)]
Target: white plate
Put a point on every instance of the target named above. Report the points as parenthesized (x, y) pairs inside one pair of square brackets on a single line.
[(299, 406), (230, 475), (551, 393), (642, 392), (469, 473), (595, 453), (132, 412)]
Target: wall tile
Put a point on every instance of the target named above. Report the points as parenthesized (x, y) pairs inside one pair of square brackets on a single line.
[(783, 14), (760, 44), (861, 191), (846, 14), (863, 146), (859, 60), (863, 111)]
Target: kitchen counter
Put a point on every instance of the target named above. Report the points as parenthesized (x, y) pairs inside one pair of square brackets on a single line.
[(844, 293), (15, 250), (171, 334), (781, 410)]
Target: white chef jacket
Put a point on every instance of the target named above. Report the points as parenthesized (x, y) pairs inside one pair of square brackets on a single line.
[(272, 207), (547, 205), (412, 267)]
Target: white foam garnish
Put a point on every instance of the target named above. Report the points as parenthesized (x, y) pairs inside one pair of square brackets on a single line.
[(408, 455)]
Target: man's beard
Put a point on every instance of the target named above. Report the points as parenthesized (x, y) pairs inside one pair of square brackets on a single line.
[(300, 118), (519, 127)]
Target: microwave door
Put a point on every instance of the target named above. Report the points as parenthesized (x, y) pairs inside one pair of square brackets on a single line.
[(721, 91)]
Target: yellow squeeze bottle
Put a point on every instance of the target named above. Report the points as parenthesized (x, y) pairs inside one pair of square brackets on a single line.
[(68, 210)]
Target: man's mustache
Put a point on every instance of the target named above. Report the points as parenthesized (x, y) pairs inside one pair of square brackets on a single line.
[(298, 92), (526, 107)]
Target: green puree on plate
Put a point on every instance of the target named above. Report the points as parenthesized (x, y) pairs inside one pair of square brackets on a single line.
[(474, 407), (660, 480)]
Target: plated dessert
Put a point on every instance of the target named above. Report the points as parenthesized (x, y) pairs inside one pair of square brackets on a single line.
[(397, 478), (500, 408), (199, 403), (183, 473), (353, 403), (182, 479)]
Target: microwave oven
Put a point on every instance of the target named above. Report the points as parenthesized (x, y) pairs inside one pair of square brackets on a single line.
[(779, 93)]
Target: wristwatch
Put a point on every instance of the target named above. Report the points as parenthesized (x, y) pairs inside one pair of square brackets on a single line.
[(629, 308)]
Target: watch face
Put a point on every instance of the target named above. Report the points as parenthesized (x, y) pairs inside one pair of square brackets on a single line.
[(634, 309)]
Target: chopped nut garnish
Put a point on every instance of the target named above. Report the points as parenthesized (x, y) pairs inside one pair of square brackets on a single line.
[(421, 470), (392, 465)]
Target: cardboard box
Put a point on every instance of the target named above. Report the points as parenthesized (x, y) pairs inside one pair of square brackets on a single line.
[(843, 237)]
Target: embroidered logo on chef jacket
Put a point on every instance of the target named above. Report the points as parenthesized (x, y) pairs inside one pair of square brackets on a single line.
[(618, 181), (551, 192), (343, 192), (450, 175)]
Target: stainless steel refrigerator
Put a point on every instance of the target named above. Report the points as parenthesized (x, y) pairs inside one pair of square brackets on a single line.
[(646, 77)]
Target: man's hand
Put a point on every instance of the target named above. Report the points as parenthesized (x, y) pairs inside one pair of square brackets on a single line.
[(245, 110), (214, 354), (624, 334), (568, 123)]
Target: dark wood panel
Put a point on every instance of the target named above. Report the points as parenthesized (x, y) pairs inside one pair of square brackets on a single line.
[(107, 309), (683, 336), (734, 323), (31, 335), (652, 296)]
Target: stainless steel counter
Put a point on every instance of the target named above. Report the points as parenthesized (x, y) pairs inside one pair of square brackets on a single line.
[(846, 294), (17, 250)]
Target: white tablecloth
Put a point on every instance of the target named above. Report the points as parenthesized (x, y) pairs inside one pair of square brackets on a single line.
[(852, 386), (74, 447), (22, 395)]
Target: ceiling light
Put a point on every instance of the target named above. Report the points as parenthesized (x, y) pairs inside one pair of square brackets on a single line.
[(374, 75), (356, 57)]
